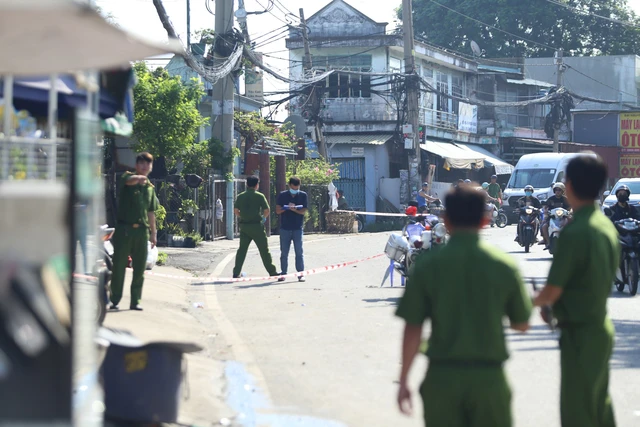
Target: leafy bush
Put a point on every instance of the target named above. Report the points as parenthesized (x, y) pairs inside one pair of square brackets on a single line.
[(162, 258)]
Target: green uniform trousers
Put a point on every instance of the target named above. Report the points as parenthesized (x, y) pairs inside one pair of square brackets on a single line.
[(584, 356), (465, 396), (255, 233), (129, 241)]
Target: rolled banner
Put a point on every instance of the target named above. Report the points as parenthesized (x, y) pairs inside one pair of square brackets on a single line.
[(286, 207)]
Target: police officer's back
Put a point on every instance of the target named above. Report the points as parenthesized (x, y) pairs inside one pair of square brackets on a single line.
[(466, 302), (579, 283)]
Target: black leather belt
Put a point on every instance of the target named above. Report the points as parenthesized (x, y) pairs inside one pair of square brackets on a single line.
[(466, 363)]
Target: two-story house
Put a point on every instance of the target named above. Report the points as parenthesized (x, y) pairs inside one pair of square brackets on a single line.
[(363, 113)]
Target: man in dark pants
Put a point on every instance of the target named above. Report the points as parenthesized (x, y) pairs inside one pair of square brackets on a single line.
[(252, 209), (465, 289), (136, 226), (291, 206), (579, 283)]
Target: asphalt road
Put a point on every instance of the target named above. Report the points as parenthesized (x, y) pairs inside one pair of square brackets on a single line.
[(326, 352)]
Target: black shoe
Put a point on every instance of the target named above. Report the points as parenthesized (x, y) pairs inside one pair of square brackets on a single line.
[(236, 277), (281, 279), (136, 307), (114, 307)]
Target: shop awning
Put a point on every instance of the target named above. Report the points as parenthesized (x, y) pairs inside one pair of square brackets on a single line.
[(502, 167), (359, 139), (454, 156)]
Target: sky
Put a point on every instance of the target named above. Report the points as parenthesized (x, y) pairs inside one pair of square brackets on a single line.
[(140, 17)]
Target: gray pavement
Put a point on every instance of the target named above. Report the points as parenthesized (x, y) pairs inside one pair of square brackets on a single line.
[(326, 352)]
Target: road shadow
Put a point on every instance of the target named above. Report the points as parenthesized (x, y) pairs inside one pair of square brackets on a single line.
[(626, 352), (385, 301), (260, 285), (540, 259)]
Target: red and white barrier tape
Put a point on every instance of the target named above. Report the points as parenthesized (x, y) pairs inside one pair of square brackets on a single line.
[(400, 215), (211, 279)]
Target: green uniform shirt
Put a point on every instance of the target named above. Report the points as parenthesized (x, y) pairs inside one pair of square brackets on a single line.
[(136, 201), (251, 204), (584, 265), (466, 288), (494, 190)]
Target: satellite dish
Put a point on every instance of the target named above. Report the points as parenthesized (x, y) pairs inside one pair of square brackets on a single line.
[(299, 125), (476, 49)]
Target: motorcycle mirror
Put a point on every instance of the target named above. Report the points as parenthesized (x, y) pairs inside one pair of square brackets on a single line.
[(607, 212), (606, 193)]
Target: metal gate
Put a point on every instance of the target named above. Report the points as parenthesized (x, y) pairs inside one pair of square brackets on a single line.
[(217, 189), (352, 181)]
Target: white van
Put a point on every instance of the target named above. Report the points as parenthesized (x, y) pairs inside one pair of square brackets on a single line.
[(541, 170)]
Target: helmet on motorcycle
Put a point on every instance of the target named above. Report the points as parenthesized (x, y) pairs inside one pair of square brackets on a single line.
[(485, 185), (467, 181), (558, 185), (623, 188), (528, 188)]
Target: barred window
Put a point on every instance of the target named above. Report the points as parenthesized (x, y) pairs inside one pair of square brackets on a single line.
[(342, 85)]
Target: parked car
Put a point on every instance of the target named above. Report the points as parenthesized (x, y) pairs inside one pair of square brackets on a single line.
[(634, 186)]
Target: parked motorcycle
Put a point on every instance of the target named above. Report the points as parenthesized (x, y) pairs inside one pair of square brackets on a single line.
[(105, 267), (421, 234), (497, 216), (629, 235), (529, 223), (558, 218)]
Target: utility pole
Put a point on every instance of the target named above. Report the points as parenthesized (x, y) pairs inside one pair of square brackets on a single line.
[(557, 125), (315, 99), (412, 89), (222, 103), (188, 25), (241, 14)]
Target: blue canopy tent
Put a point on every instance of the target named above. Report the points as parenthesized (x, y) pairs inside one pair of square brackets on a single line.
[(32, 94)]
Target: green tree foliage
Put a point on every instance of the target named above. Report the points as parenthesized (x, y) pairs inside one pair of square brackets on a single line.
[(167, 119), (538, 21)]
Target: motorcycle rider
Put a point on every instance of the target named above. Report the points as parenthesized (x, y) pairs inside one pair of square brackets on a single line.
[(423, 198), (528, 200), (558, 200), (623, 209)]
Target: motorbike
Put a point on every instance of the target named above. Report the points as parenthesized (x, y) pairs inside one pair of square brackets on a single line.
[(497, 216), (629, 235), (558, 218), (105, 267), (528, 224), (423, 233)]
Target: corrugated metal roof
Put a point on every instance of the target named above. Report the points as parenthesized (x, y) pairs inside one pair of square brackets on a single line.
[(530, 82), (359, 139)]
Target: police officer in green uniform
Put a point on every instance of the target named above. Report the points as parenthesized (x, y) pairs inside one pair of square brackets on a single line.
[(136, 226), (584, 267), (252, 208), (466, 289), (494, 190)]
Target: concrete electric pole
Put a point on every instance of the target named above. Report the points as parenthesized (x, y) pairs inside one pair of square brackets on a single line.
[(557, 125), (315, 99), (222, 102), (413, 96)]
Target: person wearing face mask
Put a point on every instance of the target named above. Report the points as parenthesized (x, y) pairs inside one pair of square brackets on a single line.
[(528, 200), (558, 200), (291, 205), (623, 209)]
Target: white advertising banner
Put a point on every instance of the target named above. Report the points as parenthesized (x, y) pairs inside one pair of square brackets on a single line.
[(468, 118)]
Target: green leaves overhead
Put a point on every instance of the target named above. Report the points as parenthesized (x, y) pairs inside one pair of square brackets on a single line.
[(167, 119), (537, 27)]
